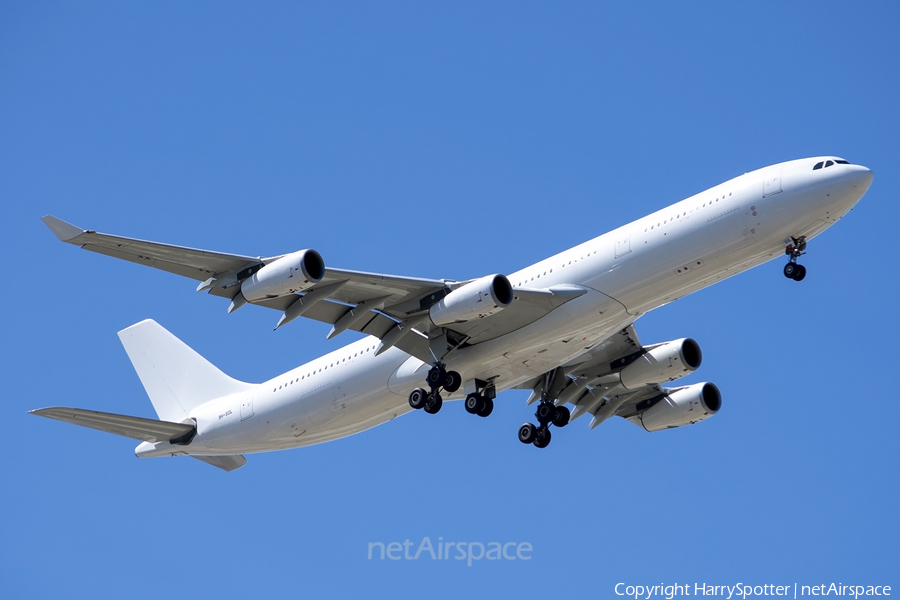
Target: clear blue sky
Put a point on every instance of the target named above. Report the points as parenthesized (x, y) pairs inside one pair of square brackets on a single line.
[(442, 140)]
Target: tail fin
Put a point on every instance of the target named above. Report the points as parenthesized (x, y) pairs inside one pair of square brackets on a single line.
[(176, 378)]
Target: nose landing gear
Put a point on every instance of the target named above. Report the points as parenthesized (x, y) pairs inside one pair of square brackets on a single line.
[(795, 248), (438, 377)]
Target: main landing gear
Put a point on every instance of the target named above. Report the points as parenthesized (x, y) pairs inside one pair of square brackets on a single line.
[(547, 414), (481, 401), (438, 377), (795, 249)]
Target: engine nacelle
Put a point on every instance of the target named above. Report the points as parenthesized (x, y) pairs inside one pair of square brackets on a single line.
[(289, 274), (665, 362), (475, 300), (684, 406)]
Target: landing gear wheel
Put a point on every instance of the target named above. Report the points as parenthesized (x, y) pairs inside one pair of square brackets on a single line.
[(544, 413), (527, 433), (488, 408), (542, 438), (452, 381), (433, 403), (417, 398), (474, 404), (795, 249), (436, 376), (561, 416)]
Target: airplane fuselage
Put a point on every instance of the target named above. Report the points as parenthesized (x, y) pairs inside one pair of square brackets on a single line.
[(638, 267)]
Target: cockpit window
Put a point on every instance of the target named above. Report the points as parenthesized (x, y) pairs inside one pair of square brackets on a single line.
[(830, 163)]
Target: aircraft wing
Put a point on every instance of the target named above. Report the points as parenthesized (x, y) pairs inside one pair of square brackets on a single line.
[(386, 306), (585, 381), (592, 382), (187, 262), (603, 358)]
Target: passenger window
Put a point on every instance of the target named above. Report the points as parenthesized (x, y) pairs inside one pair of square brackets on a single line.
[(818, 166)]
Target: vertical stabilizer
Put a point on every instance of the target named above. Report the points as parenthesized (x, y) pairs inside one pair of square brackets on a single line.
[(176, 378)]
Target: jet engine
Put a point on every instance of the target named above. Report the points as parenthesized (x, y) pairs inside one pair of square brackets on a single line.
[(289, 274), (475, 300), (664, 362), (683, 406)]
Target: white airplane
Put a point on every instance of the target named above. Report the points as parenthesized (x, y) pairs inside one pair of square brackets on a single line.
[(562, 327)]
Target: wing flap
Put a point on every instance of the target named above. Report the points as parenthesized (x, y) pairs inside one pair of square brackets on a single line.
[(136, 428)]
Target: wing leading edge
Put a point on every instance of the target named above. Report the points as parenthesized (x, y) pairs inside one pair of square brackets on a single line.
[(390, 307)]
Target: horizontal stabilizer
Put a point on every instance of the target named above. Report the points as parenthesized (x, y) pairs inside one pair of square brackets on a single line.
[(137, 428), (228, 462)]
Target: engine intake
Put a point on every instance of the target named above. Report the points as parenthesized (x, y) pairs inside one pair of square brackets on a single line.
[(475, 300), (289, 274), (683, 406), (666, 362)]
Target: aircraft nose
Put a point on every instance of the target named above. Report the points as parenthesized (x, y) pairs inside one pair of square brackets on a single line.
[(860, 176)]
